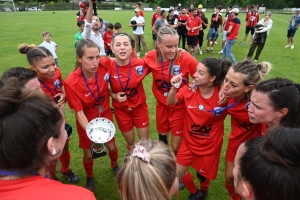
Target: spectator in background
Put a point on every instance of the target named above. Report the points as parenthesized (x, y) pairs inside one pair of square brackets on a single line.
[(252, 18), (139, 6), (103, 26), (216, 22), (176, 12), (199, 10), (82, 12), (154, 17), (293, 27), (50, 45), (226, 23), (260, 36), (193, 24), (181, 28), (118, 28), (201, 32), (160, 22), (172, 20), (107, 37), (78, 36), (137, 23)]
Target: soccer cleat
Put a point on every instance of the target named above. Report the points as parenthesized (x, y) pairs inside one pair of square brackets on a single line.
[(203, 195), (255, 60), (220, 52), (73, 178), (216, 42), (242, 45), (196, 196), (206, 51), (292, 47), (116, 169), (90, 185), (287, 46), (200, 51)]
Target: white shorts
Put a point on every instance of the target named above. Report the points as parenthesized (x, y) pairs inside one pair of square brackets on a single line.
[(224, 35)]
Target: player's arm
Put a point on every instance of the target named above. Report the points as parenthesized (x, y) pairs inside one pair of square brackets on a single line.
[(56, 47), (171, 98), (87, 31), (82, 120), (154, 28)]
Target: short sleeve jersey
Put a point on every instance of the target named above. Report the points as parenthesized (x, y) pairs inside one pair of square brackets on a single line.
[(203, 131), (52, 87), (229, 18), (241, 128), (216, 20), (193, 22), (235, 23), (127, 79), (182, 19), (154, 17), (252, 19), (159, 23), (81, 99), (185, 64)]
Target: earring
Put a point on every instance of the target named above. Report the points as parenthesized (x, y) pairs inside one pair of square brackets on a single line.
[(53, 151)]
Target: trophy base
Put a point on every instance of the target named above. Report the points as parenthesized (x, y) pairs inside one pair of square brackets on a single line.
[(98, 154)]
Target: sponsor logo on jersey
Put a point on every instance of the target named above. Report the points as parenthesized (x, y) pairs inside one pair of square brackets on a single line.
[(139, 70), (56, 84), (201, 107), (197, 129), (106, 77), (176, 69)]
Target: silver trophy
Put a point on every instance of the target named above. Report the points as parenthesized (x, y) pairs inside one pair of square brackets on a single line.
[(100, 130)]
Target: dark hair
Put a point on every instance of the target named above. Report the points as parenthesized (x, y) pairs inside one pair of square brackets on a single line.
[(80, 23), (34, 54), (217, 67), (219, 7), (110, 25), (162, 12), (22, 74), (132, 41), (23, 139), (171, 10), (271, 164), (283, 93), (117, 26), (230, 6), (194, 9), (81, 47), (100, 19)]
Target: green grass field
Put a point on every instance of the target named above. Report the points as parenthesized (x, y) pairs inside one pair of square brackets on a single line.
[(26, 27)]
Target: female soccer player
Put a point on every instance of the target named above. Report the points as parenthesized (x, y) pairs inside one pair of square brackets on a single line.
[(32, 134), (87, 93), (238, 84), (165, 62), (203, 124), (275, 102), (129, 99), (148, 172), (41, 60)]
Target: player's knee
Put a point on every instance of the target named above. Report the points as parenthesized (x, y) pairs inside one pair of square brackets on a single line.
[(163, 138), (200, 177)]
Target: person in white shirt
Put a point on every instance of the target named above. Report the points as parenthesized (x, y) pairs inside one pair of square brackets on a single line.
[(92, 29), (137, 23), (50, 45)]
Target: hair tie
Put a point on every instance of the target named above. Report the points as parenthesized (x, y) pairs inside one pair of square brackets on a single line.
[(141, 152)]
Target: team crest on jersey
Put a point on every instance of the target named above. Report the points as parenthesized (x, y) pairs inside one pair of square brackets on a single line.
[(56, 84), (106, 77), (176, 69), (247, 105), (139, 70), (201, 107)]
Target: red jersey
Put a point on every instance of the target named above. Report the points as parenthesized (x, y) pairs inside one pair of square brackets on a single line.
[(38, 187), (107, 38), (264, 128), (252, 18), (53, 87), (241, 128), (202, 131), (81, 98), (216, 21), (154, 17), (193, 22), (229, 18), (141, 13), (185, 64), (128, 79), (235, 23)]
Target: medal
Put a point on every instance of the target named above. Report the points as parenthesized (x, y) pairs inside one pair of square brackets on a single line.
[(166, 94), (100, 109)]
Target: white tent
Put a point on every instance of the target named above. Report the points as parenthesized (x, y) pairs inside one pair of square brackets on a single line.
[(12, 1)]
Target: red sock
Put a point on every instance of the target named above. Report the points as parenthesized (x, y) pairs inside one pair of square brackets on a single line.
[(230, 189), (52, 168), (88, 167), (205, 185), (188, 181), (113, 158), (65, 161)]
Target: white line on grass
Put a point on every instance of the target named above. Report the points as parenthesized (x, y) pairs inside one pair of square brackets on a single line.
[(281, 19)]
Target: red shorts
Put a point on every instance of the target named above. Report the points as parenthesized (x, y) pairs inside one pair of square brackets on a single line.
[(127, 118), (232, 148), (206, 165), (84, 141), (168, 119)]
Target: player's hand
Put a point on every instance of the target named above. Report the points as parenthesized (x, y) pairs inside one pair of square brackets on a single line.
[(222, 98), (62, 99), (120, 97), (176, 81)]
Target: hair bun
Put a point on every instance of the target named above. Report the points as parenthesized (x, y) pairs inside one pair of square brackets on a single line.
[(9, 96), (24, 48), (264, 68)]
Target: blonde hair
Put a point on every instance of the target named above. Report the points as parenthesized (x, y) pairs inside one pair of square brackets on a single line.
[(24, 48), (148, 181)]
